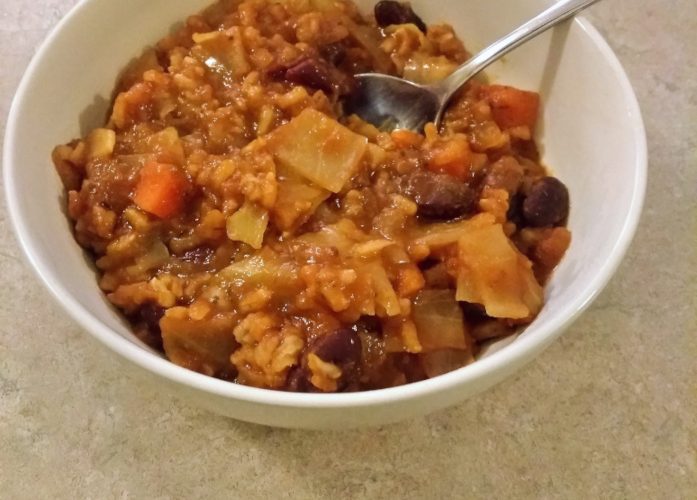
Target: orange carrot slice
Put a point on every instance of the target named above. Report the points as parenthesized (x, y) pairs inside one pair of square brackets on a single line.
[(512, 107), (161, 189)]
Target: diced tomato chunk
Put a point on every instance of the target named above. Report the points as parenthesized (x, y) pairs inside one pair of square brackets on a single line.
[(161, 189), (512, 107)]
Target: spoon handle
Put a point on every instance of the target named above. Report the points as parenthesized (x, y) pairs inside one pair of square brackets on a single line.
[(560, 11)]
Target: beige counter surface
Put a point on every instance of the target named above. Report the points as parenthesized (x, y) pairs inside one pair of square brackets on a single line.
[(609, 411)]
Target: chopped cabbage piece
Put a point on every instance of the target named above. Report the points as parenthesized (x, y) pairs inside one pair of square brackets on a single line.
[(319, 149), (264, 269), (443, 234), (495, 274), (439, 320), (248, 225), (297, 200)]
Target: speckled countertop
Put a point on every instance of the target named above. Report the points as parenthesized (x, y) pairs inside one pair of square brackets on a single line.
[(609, 411)]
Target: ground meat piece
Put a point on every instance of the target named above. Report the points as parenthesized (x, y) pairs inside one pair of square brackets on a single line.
[(437, 276), (111, 183), (389, 12), (506, 174), (439, 196), (547, 203)]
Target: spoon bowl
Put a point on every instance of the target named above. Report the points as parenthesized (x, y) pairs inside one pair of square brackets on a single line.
[(392, 103), (389, 102)]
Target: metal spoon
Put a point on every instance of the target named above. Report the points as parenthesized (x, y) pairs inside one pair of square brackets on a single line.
[(391, 103)]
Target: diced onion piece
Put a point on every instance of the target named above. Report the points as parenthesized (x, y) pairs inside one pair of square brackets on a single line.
[(319, 148), (439, 320), (248, 225), (495, 274), (100, 143)]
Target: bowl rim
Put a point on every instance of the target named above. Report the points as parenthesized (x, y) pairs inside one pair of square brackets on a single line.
[(516, 353)]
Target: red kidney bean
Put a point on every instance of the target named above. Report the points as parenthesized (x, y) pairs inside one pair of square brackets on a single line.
[(547, 203), (439, 196), (341, 347), (389, 12), (311, 73), (315, 73)]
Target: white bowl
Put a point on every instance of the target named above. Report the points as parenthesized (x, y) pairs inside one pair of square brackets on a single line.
[(592, 135)]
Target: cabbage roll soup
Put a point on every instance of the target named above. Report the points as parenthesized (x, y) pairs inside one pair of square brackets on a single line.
[(252, 231)]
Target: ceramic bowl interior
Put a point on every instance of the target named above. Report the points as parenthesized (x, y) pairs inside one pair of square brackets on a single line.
[(592, 137)]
